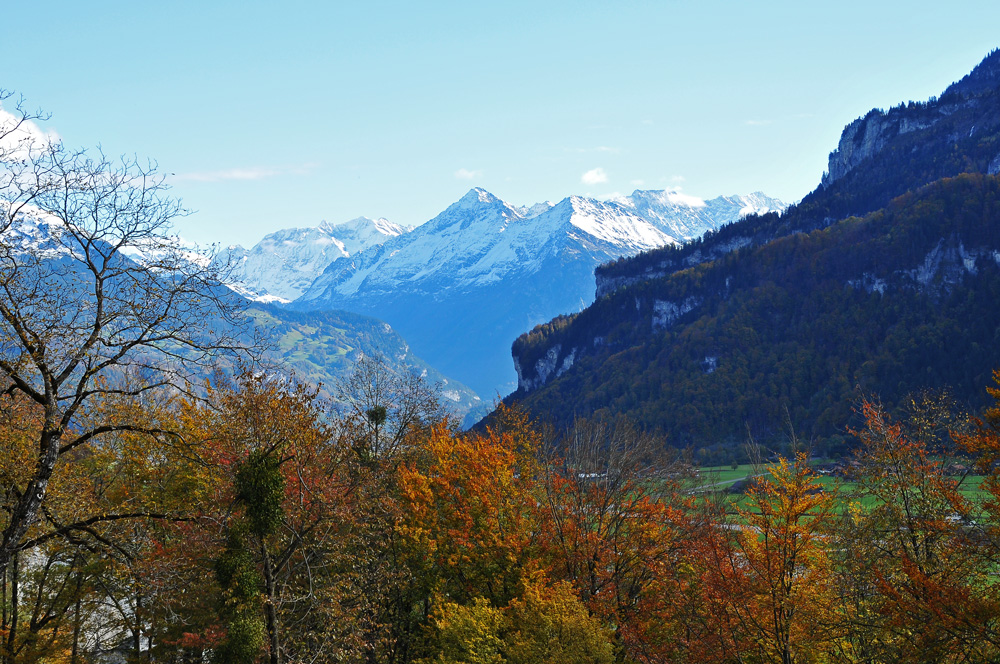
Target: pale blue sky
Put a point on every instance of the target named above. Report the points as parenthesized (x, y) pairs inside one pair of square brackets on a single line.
[(284, 114)]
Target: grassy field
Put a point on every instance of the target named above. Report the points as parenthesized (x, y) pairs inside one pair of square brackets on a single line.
[(715, 483)]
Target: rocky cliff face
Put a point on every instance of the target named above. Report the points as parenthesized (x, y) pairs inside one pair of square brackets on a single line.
[(860, 140), (867, 136), (608, 281)]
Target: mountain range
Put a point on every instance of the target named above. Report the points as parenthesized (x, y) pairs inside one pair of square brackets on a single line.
[(463, 285), (320, 348), (283, 264), (459, 288)]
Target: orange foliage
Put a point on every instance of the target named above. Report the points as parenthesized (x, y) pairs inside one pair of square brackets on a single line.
[(471, 510), (770, 583)]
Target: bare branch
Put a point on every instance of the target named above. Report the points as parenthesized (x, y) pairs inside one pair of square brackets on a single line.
[(98, 301)]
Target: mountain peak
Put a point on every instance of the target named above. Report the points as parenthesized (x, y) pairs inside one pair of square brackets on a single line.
[(667, 197), (476, 197), (986, 76), (536, 209), (363, 227), (352, 224)]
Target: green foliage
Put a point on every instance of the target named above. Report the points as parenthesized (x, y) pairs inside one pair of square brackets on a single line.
[(550, 625), (235, 570), (244, 641), (260, 487), (377, 415), (241, 583), (469, 634)]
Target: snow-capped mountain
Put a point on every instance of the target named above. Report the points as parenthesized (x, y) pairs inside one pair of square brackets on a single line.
[(283, 264), (686, 217), (34, 232), (321, 347), (477, 241), (482, 239), (463, 285)]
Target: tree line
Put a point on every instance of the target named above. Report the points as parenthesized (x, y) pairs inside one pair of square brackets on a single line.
[(254, 526)]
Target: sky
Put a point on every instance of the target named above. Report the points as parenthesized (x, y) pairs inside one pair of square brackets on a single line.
[(269, 115)]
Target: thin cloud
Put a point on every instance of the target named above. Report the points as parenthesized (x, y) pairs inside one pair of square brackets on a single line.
[(678, 198), (600, 148), (756, 123), (466, 174), (243, 174), (594, 176)]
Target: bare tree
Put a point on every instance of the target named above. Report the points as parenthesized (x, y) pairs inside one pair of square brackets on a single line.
[(99, 303), (386, 406)]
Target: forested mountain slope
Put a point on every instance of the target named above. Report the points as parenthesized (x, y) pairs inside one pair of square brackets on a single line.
[(794, 316)]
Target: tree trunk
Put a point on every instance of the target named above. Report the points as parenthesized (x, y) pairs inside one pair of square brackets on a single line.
[(26, 510), (3, 592), (137, 630), (74, 657), (14, 610), (270, 609)]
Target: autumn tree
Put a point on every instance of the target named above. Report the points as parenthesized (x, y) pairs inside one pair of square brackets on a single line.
[(98, 303), (615, 525), (981, 441), (285, 496), (916, 547), (771, 594), (471, 500), (545, 623), (384, 417), (72, 588)]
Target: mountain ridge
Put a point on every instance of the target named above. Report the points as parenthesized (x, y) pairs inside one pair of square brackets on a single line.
[(683, 319), (284, 263)]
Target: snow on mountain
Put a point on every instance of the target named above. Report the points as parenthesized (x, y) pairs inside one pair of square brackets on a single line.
[(46, 236), (34, 232), (463, 285), (284, 263), (476, 240), (534, 210), (481, 239), (685, 217)]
